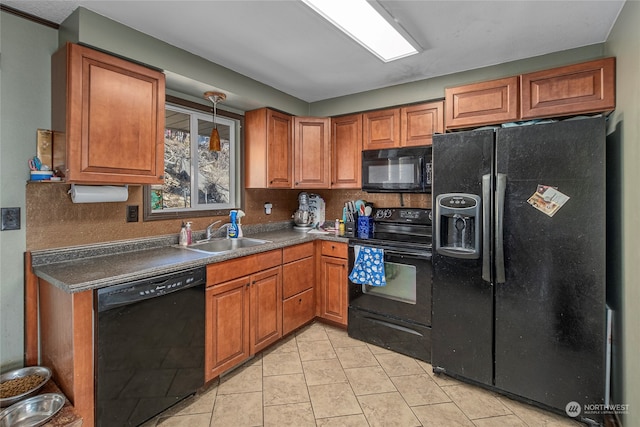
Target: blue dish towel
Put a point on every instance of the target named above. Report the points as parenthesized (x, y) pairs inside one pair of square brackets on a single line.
[(368, 268)]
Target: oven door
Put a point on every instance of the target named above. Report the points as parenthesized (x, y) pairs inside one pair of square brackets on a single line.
[(407, 295)]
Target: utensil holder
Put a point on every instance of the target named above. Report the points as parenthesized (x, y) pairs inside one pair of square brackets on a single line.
[(365, 227)]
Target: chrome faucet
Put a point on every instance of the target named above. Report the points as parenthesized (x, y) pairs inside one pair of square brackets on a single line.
[(210, 228)]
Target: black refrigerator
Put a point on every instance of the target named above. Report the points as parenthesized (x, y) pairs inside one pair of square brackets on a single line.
[(519, 260)]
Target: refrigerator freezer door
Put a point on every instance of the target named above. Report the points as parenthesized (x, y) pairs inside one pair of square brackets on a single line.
[(462, 334), (550, 312)]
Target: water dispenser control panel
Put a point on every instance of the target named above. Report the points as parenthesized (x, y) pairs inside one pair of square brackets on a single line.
[(457, 225)]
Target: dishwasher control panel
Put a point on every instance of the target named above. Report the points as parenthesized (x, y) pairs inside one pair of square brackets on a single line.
[(127, 293)]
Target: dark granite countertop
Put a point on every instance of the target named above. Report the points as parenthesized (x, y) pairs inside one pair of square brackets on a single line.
[(90, 267)]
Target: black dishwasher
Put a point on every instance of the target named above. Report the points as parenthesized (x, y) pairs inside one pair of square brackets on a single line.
[(149, 346)]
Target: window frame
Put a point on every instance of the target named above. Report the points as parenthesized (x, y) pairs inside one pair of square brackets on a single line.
[(150, 215)]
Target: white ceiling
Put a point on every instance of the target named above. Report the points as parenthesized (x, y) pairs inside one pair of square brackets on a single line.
[(285, 45)]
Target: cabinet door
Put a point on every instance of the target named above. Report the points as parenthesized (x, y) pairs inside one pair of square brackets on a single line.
[(333, 292), (297, 310), (268, 149), (279, 150), (381, 129), (110, 125), (227, 326), (420, 122), (588, 87), (312, 165), (484, 103), (346, 151), (266, 308)]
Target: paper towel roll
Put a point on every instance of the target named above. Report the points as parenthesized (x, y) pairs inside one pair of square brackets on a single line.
[(98, 193)]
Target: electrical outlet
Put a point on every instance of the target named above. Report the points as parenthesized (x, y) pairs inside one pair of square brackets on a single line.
[(132, 213), (10, 219)]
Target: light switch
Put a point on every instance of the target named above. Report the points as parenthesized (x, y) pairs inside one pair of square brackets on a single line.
[(10, 219)]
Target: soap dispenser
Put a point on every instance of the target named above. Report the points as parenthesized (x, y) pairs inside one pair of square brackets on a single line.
[(189, 233), (232, 229), (239, 219), (183, 236)]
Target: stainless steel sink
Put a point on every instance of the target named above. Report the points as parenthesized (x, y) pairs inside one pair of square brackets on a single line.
[(216, 246)]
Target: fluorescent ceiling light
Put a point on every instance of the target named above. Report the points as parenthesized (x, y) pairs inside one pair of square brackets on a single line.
[(360, 21)]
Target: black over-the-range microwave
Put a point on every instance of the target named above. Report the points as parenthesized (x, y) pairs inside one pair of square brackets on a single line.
[(398, 170)]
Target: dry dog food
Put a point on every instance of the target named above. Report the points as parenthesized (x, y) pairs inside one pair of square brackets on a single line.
[(17, 386)]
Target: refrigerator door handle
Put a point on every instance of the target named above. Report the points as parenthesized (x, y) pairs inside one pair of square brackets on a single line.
[(486, 228), (501, 187)]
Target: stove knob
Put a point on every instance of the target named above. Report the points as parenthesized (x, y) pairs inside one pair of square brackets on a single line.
[(388, 213), (379, 214)]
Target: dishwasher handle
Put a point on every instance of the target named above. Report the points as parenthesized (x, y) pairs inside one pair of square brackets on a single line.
[(129, 293)]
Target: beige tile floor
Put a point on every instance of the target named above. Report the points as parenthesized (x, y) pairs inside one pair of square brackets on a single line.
[(319, 376)]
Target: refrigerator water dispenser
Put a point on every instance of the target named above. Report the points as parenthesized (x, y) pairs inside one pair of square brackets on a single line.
[(458, 225)]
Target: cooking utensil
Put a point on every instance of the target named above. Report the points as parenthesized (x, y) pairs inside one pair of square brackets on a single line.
[(35, 164), (42, 371), (367, 210)]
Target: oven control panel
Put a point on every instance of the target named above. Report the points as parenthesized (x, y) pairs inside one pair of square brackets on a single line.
[(403, 215)]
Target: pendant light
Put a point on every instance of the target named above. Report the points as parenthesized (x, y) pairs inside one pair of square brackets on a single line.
[(214, 139)]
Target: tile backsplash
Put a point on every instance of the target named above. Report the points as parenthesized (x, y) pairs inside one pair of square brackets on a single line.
[(54, 221)]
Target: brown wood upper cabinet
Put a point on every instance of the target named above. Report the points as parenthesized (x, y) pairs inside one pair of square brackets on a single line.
[(268, 149), (381, 129), (346, 148), (588, 87), (403, 127), (108, 118), (420, 122), (312, 152), (478, 104)]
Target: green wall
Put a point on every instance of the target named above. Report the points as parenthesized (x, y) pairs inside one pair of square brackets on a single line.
[(25, 106), (624, 44)]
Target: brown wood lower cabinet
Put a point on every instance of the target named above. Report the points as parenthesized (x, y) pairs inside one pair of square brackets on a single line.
[(333, 296), (244, 311), (266, 308), (298, 278), (227, 326)]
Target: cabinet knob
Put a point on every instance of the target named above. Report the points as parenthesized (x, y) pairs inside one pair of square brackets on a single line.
[(300, 300), (248, 284)]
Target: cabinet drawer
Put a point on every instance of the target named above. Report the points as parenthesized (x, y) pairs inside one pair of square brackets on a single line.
[(297, 310), (293, 253), (334, 249), (297, 276), (244, 266)]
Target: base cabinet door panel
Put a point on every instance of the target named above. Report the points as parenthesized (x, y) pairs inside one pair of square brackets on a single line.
[(227, 326), (333, 289), (266, 308)]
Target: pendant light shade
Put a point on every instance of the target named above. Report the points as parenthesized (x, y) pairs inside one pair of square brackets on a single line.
[(214, 139)]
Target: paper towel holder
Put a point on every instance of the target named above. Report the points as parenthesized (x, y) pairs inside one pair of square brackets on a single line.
[(98, 193)]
